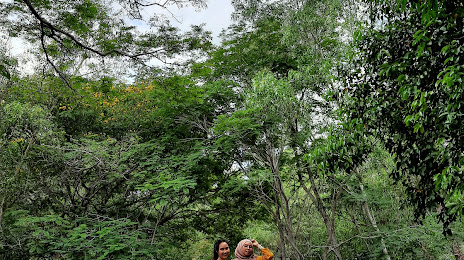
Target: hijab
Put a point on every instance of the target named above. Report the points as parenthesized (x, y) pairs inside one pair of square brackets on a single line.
[(238, 251)]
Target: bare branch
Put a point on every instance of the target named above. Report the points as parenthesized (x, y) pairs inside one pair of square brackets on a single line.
[(42, 40)]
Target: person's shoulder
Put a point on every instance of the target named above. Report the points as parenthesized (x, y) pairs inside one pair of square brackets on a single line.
[(267, 254)]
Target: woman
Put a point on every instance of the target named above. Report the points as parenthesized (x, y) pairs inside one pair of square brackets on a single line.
[(244, 250), (221, 250)]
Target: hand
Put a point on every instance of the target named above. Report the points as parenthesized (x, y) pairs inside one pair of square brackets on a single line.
[(254, 243)]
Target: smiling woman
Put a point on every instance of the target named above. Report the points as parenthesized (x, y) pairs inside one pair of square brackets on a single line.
[(221, 250), (244, 250)]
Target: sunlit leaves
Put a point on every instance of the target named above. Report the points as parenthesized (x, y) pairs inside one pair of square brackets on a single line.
[(27, 122)]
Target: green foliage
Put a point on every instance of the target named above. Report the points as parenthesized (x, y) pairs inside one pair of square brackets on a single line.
[(23, 122), (408, 92), (314, 33), (72, 33), (85, 238), (25, 132), (420, 241), (267, 110), (259, 140), (263, 232), (4, 71), (7, 65), (246, 51), (139, 158), (200, 247)]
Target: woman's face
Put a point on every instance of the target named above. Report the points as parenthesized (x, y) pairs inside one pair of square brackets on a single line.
[(247, 248), (223, 250)]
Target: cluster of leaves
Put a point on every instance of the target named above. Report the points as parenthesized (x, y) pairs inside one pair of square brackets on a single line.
[(406, 89), (139, 157), (84, 238)]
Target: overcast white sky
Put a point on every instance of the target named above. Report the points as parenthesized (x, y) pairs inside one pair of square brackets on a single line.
[(216, 17)]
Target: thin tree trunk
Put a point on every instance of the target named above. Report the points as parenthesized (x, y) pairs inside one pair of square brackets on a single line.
[(158, 220), (280, 226), (332, 243), (285, 213), (281, 201), (2, 203), (456, 248), (283, 251), (369, 215)]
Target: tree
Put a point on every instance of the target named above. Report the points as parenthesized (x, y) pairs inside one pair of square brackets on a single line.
[(406, 89), (24, 131), (277, 119), (137, 161), (258, 133), (74, 36), (247, 49)]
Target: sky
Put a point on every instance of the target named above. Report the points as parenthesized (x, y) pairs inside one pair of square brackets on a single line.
[(216, 17)]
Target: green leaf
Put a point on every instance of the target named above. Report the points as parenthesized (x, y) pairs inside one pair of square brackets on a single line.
[(418, 127), (401, 78), (445, 49), (4, 72), (408, 119)]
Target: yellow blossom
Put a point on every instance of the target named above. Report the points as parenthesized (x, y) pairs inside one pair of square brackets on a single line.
[(17, 140)]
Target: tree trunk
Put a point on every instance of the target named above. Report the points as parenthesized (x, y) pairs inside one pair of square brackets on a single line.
[(281, 202), (332, 243), (284, 214), (456, 248), (283, 251), (2, 203), (369, 215)]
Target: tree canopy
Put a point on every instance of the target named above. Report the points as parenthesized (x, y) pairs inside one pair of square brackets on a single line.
[(326, 129), (72, 34), (407, 91)]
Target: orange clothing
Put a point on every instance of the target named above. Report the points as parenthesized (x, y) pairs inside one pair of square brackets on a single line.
[(267, 255)]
